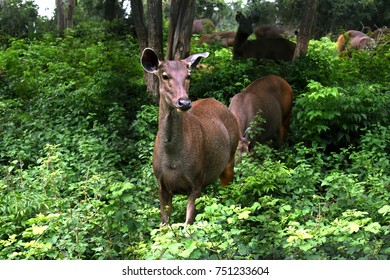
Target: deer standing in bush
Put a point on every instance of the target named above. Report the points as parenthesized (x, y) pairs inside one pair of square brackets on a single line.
[(226, 38), (271, 97), (270, 48), (353, 40), (195, 142), (203, 26)]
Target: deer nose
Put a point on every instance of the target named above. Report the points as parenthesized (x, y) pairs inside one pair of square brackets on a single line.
[(184, 104)]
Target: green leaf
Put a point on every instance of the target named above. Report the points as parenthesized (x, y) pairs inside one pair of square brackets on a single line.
[(36, 230), (373, 227), (384, 210), (244, 215), (353, 227)]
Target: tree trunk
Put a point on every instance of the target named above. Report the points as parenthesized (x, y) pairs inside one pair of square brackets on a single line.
[(155, 39), (137, 13), (180, 29), (60, 17), (149, 36), (306, 30), (69, 20), (110, 9)]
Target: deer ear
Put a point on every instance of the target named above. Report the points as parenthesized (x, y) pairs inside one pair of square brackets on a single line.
[(149, 60), (194, 59), (239, 16)]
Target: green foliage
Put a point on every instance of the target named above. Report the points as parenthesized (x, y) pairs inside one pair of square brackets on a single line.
[(76, 141), (17, 18)]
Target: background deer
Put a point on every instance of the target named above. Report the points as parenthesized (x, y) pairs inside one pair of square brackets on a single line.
[(226, 38), (272, 98), (270, 48), (195, 142), (353, 39), (268, 31), (203, 26)]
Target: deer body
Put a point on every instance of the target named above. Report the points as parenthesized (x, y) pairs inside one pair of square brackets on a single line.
[(202, 26), (353, 39), (269, 47), (195, 142), (268, 31), (271, 97), (226, 38)]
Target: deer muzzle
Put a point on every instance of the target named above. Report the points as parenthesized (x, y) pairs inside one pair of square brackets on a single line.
[(184, 104)]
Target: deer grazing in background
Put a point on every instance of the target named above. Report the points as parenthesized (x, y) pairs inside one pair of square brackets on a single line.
[(195, 142), (225, 38), (203, 26), (268, 31), (271, 48), (271, 97), (353, 40)]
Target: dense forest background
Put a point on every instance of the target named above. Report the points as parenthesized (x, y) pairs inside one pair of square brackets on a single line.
[(77, 129)]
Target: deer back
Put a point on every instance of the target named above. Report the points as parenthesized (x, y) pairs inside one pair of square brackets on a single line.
[(278, 49), (226, 38), (202, 26), (353, 39), (271, 97)]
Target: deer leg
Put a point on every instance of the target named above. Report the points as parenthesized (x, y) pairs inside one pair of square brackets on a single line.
[(165, 205), (227, 175), (282, 133), (191, 209)]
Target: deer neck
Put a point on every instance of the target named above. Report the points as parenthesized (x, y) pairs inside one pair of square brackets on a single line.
[(170, 126), (239, 43)]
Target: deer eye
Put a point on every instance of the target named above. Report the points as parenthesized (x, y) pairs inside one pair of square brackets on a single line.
[(165, 77)]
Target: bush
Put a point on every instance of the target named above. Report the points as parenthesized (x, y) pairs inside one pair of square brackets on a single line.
[(76, 142)]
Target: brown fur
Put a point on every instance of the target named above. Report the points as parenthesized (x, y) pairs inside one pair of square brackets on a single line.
[(226, 38), (268, 31), (353, 40), (272, 97), (203, 26), (270, 48), (195, 143)]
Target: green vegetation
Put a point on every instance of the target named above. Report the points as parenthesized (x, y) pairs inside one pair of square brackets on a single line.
[(76, 142)]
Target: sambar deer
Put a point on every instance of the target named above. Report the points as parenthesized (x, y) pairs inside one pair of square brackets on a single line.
[(273, 48), (225, 38), (268, 31), (195, 142), (271, 97), (203, 26), (353, 40)]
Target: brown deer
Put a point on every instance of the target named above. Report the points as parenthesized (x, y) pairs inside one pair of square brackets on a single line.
[(202, 26), (195, 142), (268, 31), (226, 38), (271, 48), (353, 40), (271, 97)]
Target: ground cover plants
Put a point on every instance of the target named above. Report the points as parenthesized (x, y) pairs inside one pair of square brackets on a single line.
[(76, 142)]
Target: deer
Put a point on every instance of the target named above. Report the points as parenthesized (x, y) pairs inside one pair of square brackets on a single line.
[(353, 39), (270, 97), (202, 26), (277, 49), (196, 141), (226, 38), (268, 31)]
